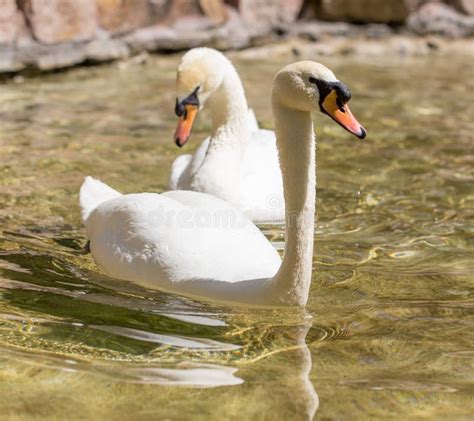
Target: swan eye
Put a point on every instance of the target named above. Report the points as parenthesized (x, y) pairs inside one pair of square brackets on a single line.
[(343, 92), (179, 109), (340, 105), (312, 79)]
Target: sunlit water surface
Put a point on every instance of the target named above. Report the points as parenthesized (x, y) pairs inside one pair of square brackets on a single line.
[(389, 328)]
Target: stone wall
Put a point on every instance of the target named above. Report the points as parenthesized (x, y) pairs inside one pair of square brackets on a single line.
[(48, 34)]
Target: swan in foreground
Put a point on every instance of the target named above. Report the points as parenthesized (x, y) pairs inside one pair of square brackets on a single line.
[(239, 161), (195, 244)]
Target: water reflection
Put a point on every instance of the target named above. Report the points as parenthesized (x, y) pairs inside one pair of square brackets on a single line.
[(185, 374), (304, 370), (295, 390), (290, 361)]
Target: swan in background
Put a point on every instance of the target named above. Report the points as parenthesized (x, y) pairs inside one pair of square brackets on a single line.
[(238, 162), (195, 244)]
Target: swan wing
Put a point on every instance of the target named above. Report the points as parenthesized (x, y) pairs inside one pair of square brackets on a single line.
[(261, 179), (171, 240), (184, 170), (178, 168)]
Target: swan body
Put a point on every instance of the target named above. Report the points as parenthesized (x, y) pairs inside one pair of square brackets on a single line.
[(255, 197), (165, 239), (238, 162), (196, 244)]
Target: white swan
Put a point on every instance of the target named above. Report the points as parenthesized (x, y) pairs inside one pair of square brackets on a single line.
[(239, 161), (196, 244)]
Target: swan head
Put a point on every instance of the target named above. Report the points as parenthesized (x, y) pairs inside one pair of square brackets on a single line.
[(309, 86), (200, 74)]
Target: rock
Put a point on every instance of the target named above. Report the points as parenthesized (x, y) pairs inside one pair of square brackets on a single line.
[(61, 56), (180, 8), (56, 21), (234, 34), (156, 38), (214, 10), (193, 31), (119, 16), (465, 6), (159, 9), (150, 39), (364, 11), (269, 12), (378, 30), (441, 19), (106, 49), (231, 39), (9, 61), (192, 23), (12, 23), (309, 10), (49, 57), (315, 30)]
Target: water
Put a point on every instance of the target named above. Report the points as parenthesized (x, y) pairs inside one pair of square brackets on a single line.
[(389, 327)]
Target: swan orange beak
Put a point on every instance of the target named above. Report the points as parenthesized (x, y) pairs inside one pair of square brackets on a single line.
[(185, 124), (341, 114)]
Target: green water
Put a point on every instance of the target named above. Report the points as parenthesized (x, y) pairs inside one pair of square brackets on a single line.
[(389, 329)]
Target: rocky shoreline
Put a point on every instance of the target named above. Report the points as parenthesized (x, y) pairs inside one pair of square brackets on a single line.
[(72, 36)]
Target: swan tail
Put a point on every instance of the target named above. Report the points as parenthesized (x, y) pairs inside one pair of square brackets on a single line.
[(92, 193)]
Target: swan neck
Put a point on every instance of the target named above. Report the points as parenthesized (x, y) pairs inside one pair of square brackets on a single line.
[(230, 135), (229, 107), (297, 148)]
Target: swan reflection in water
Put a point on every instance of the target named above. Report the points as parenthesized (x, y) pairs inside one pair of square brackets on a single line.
[(291, 384), (257, 359)]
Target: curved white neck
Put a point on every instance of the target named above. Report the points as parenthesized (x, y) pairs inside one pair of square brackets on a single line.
[(230, 133), (229, 111), (297, 148)]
